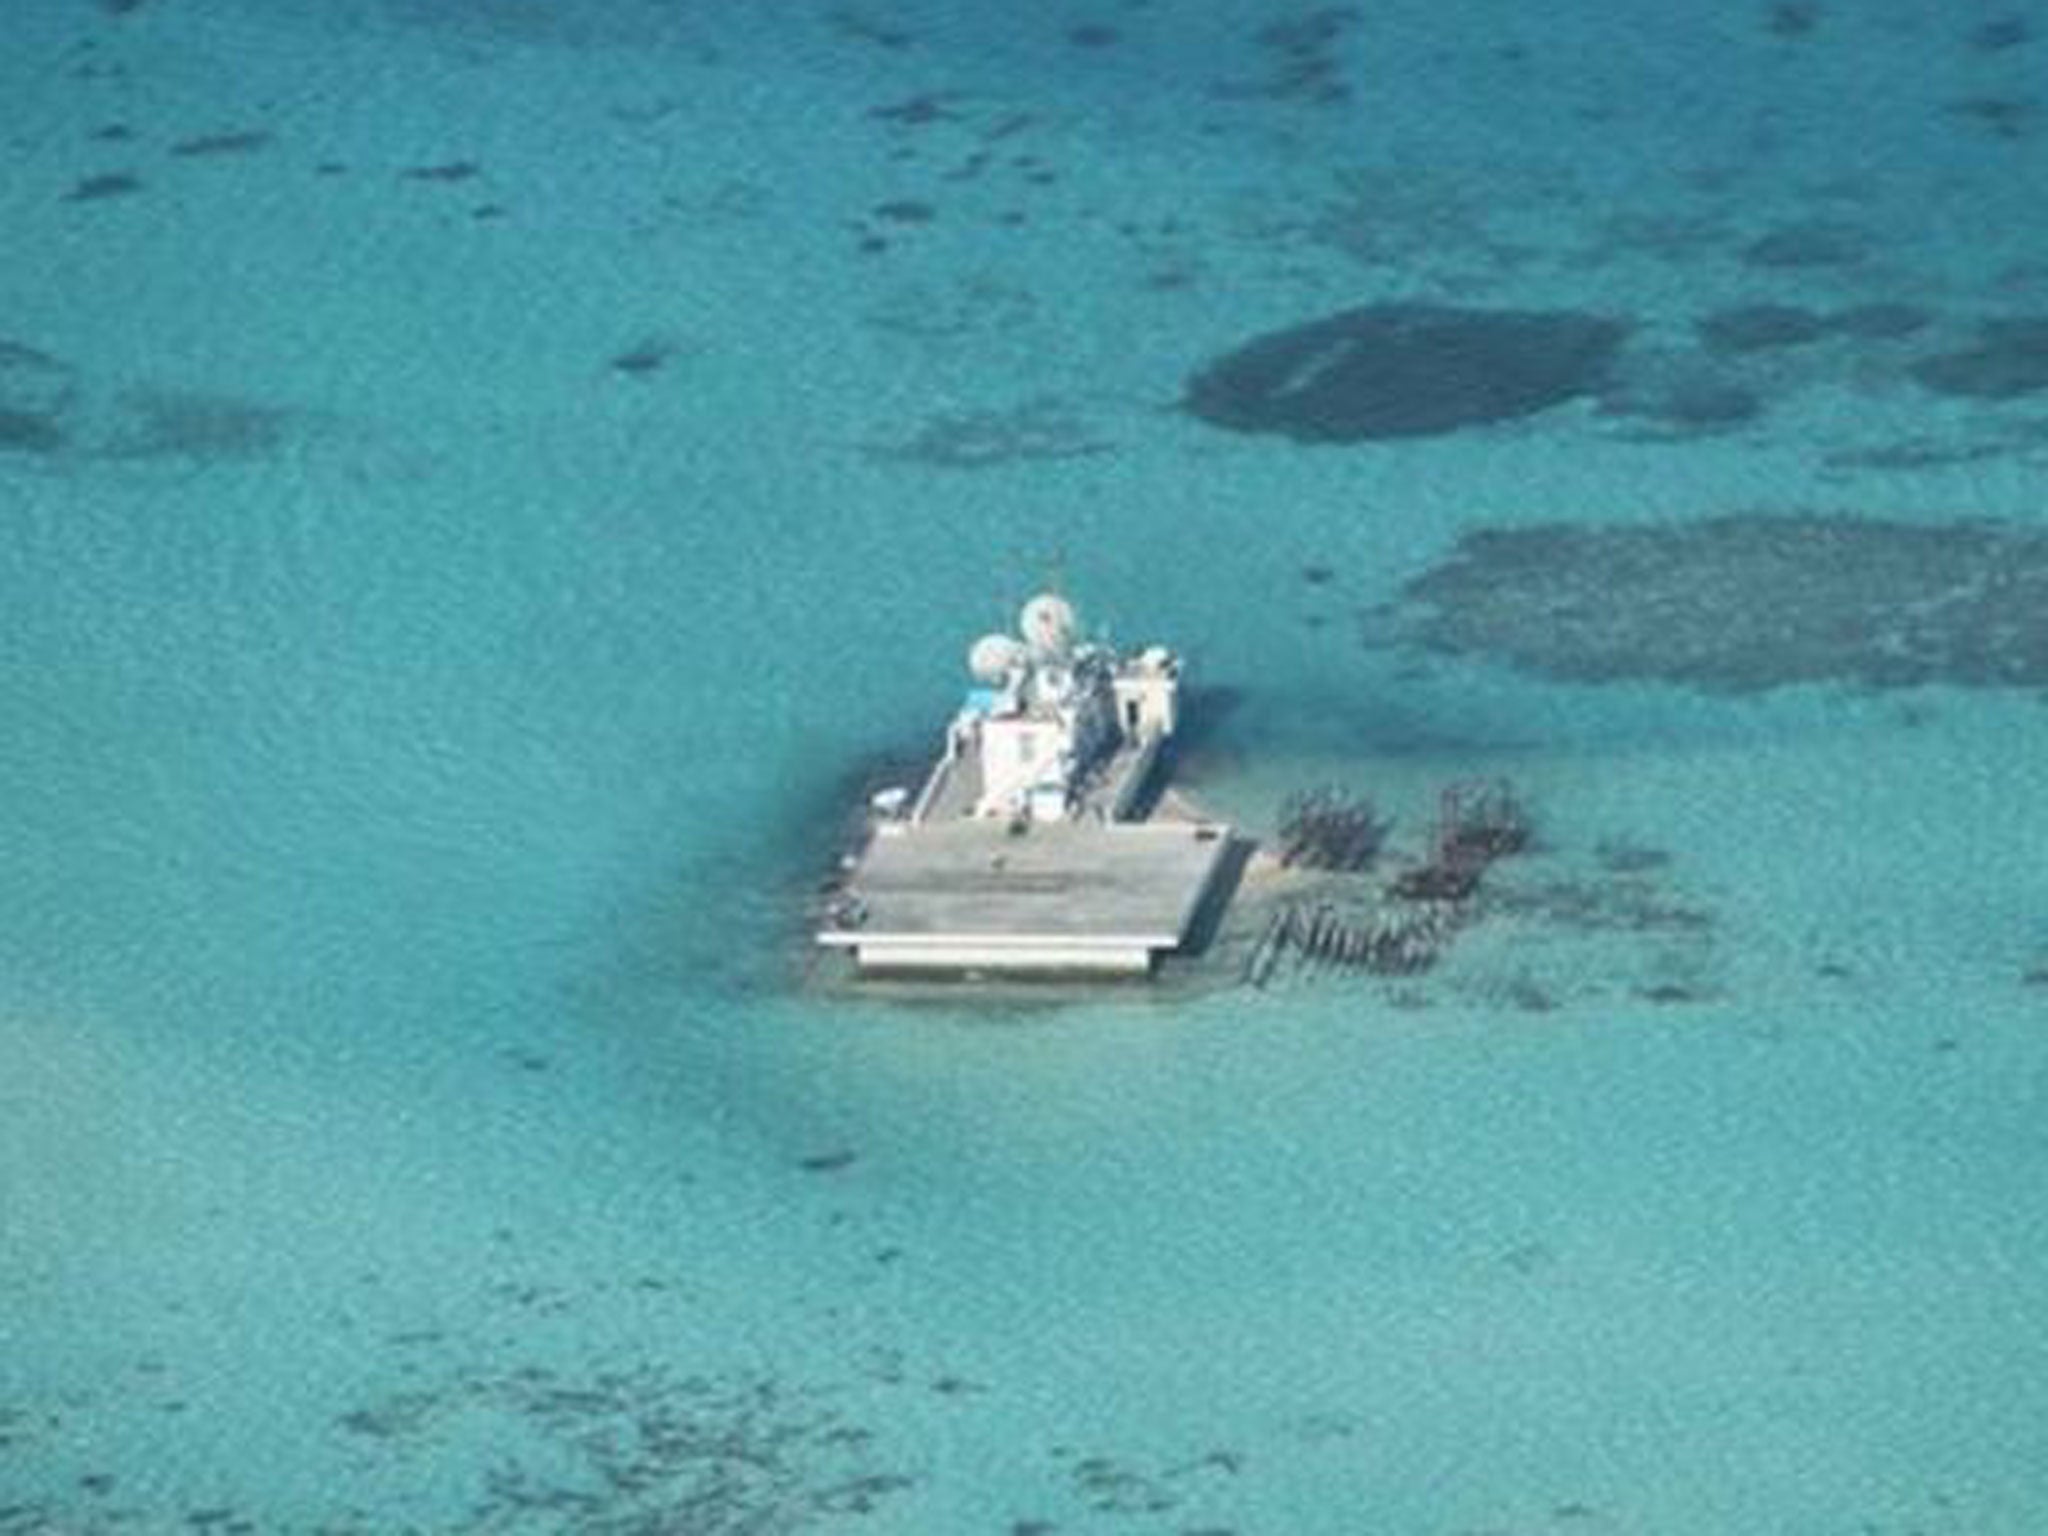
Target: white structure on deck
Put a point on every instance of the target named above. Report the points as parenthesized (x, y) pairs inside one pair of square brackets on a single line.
[(1022, 852), (1055, 728)]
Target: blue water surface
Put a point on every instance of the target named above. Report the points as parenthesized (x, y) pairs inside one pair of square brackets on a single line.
[(487, 486)]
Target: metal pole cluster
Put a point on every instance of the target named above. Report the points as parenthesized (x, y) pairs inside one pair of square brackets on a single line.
[(1329, 828), (1416, 913), (1402, 940)]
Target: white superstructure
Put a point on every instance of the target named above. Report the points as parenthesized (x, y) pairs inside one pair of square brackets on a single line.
[(1055, 728), (1027, 850)]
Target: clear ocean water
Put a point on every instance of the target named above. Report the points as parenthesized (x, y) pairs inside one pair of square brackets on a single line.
[(485, 483)]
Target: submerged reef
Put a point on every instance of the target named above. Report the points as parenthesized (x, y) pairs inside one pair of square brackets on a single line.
[(640, 1448), (1298, 60), (1760, 327), (102, 185), (1745, 602), (1040, 428), (1676, 391), (1400, 371), (48, 410), (183, 424), (36, 390), (2008, 358), (1405, 370), (1817, 244)]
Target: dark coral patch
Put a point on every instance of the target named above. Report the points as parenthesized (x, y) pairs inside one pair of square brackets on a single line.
[(183, 424), (2010, 358), (1301, 60), (637, 1448), (1818, 244), (1680, 392), (866, 30), (241, 142), (19, 356), (1703, 403), (1405, 370), (1760, 327), (2003, 117), (917, 111), (1879, 322), (97, 189), (1091, 34), (446, 171), (30, 432), (1792, 18), (643, 357), (2004, 32), (1747, 602), (1041, 428), (36, 390)]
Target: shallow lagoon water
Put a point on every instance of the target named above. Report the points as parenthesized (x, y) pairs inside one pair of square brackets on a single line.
[(426, 717)]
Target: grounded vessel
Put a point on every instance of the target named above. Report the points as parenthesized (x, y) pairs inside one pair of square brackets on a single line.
[(1038, 843)]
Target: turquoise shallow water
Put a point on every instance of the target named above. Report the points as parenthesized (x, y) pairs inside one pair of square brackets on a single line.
[(424, 724)]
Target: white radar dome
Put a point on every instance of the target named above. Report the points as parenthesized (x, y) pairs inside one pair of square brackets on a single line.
[(1048, 625), (994, 657)]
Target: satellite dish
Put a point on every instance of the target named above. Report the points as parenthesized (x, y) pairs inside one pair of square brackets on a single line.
[(1048, 626), (993, 658)]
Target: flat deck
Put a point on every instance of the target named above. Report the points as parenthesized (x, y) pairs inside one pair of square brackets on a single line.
[(1056, 893)]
